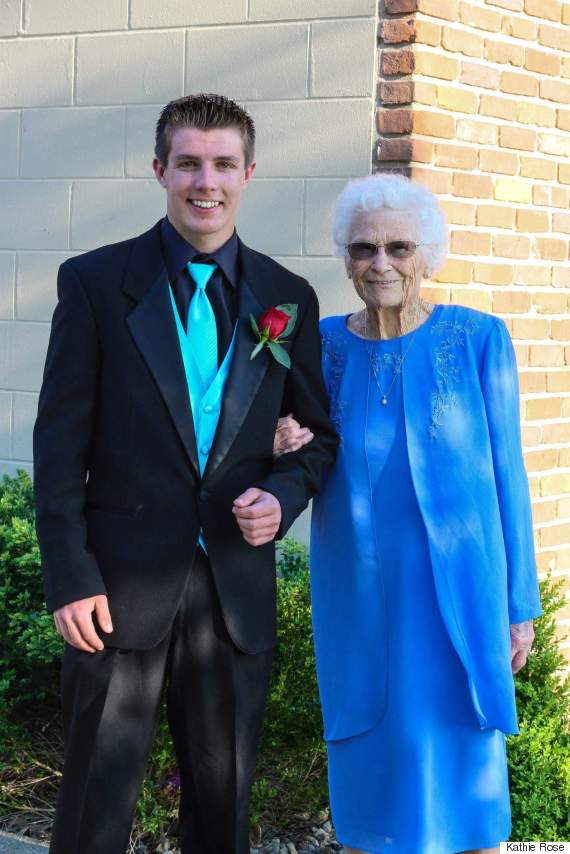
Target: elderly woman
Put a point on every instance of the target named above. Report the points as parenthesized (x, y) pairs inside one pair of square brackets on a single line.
[(423, 576)]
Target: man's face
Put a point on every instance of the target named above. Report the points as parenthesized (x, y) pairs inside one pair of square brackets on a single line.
[(204, 179)]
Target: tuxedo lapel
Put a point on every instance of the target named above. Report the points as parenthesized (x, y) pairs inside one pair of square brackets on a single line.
[(153, 327), (246, 374)]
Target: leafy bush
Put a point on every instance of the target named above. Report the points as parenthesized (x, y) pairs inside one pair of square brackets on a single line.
[(290, 786)]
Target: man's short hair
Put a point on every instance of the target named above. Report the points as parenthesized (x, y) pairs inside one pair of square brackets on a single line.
[(205, 112)]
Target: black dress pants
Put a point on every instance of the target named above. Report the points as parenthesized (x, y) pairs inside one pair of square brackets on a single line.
[(111, 700)]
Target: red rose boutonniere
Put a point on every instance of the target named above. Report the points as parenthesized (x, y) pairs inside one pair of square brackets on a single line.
[(271, 328)]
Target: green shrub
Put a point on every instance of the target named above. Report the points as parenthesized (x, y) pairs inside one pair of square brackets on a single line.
[(290, 786)]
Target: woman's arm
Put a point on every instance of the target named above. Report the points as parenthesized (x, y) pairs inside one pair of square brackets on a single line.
[(499, 382)]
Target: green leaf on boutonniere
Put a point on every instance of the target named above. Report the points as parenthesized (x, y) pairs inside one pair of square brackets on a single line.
[(254, 326), (257, 349), (289, 308), (280, 354)]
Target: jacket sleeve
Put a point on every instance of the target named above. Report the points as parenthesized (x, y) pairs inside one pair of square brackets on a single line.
[(501, 393), (62, 436), (297, 476)]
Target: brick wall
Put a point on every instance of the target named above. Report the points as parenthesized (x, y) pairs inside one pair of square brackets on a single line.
[(474, 101), (81, 85)]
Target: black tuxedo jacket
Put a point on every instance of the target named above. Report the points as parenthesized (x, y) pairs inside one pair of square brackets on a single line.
[(119, 498)]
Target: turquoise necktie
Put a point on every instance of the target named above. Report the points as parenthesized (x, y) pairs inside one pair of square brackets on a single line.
[(201, 329)]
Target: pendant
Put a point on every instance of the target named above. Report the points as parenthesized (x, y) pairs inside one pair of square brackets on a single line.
[(384, 400)]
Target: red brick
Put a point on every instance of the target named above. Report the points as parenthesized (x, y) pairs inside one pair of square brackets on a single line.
[(397, 62), (396, 92), (400, 7), (394, 121), (395, 32), (395, 150)]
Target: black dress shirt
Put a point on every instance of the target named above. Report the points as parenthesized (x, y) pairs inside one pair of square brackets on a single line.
[(222, 289)]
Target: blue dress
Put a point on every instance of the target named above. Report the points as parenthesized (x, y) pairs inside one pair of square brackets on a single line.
[(425, 778)]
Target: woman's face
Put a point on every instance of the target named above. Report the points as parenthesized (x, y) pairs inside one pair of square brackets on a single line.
[(384, 281)]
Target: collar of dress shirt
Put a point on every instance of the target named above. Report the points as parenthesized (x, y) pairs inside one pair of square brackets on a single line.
[(178, 252)]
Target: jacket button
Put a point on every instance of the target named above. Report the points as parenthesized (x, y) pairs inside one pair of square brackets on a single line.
[(205, 449)]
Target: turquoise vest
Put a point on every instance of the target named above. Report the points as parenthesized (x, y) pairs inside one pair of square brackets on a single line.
[(206, 402)]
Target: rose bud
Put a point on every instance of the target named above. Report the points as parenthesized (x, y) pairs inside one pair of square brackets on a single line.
[(273, 322)]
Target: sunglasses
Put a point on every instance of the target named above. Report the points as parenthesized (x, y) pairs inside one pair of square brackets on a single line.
[(395, 249)]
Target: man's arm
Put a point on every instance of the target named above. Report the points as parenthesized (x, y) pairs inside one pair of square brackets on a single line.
[(297, 476), (62, 436)]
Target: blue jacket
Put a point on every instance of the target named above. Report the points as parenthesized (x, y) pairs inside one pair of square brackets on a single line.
[(461, 402)]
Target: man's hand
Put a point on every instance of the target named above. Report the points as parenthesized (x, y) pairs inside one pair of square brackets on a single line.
[(258, 513), (522, 636), (74, 622), (290, 436)]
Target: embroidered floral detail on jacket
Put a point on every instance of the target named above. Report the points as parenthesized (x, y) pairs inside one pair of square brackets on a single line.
[(334, 359), (446, 368)]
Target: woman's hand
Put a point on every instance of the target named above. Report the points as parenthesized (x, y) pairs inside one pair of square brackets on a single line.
[(290, 436), (522, 636)]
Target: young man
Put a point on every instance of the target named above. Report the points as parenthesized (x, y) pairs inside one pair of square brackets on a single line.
[(158, 498)]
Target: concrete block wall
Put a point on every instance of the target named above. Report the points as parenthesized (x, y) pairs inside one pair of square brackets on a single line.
[(474, 101), (81, 86)]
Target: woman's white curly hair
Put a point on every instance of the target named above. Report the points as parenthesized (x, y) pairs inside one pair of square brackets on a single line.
[(396, 193)]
